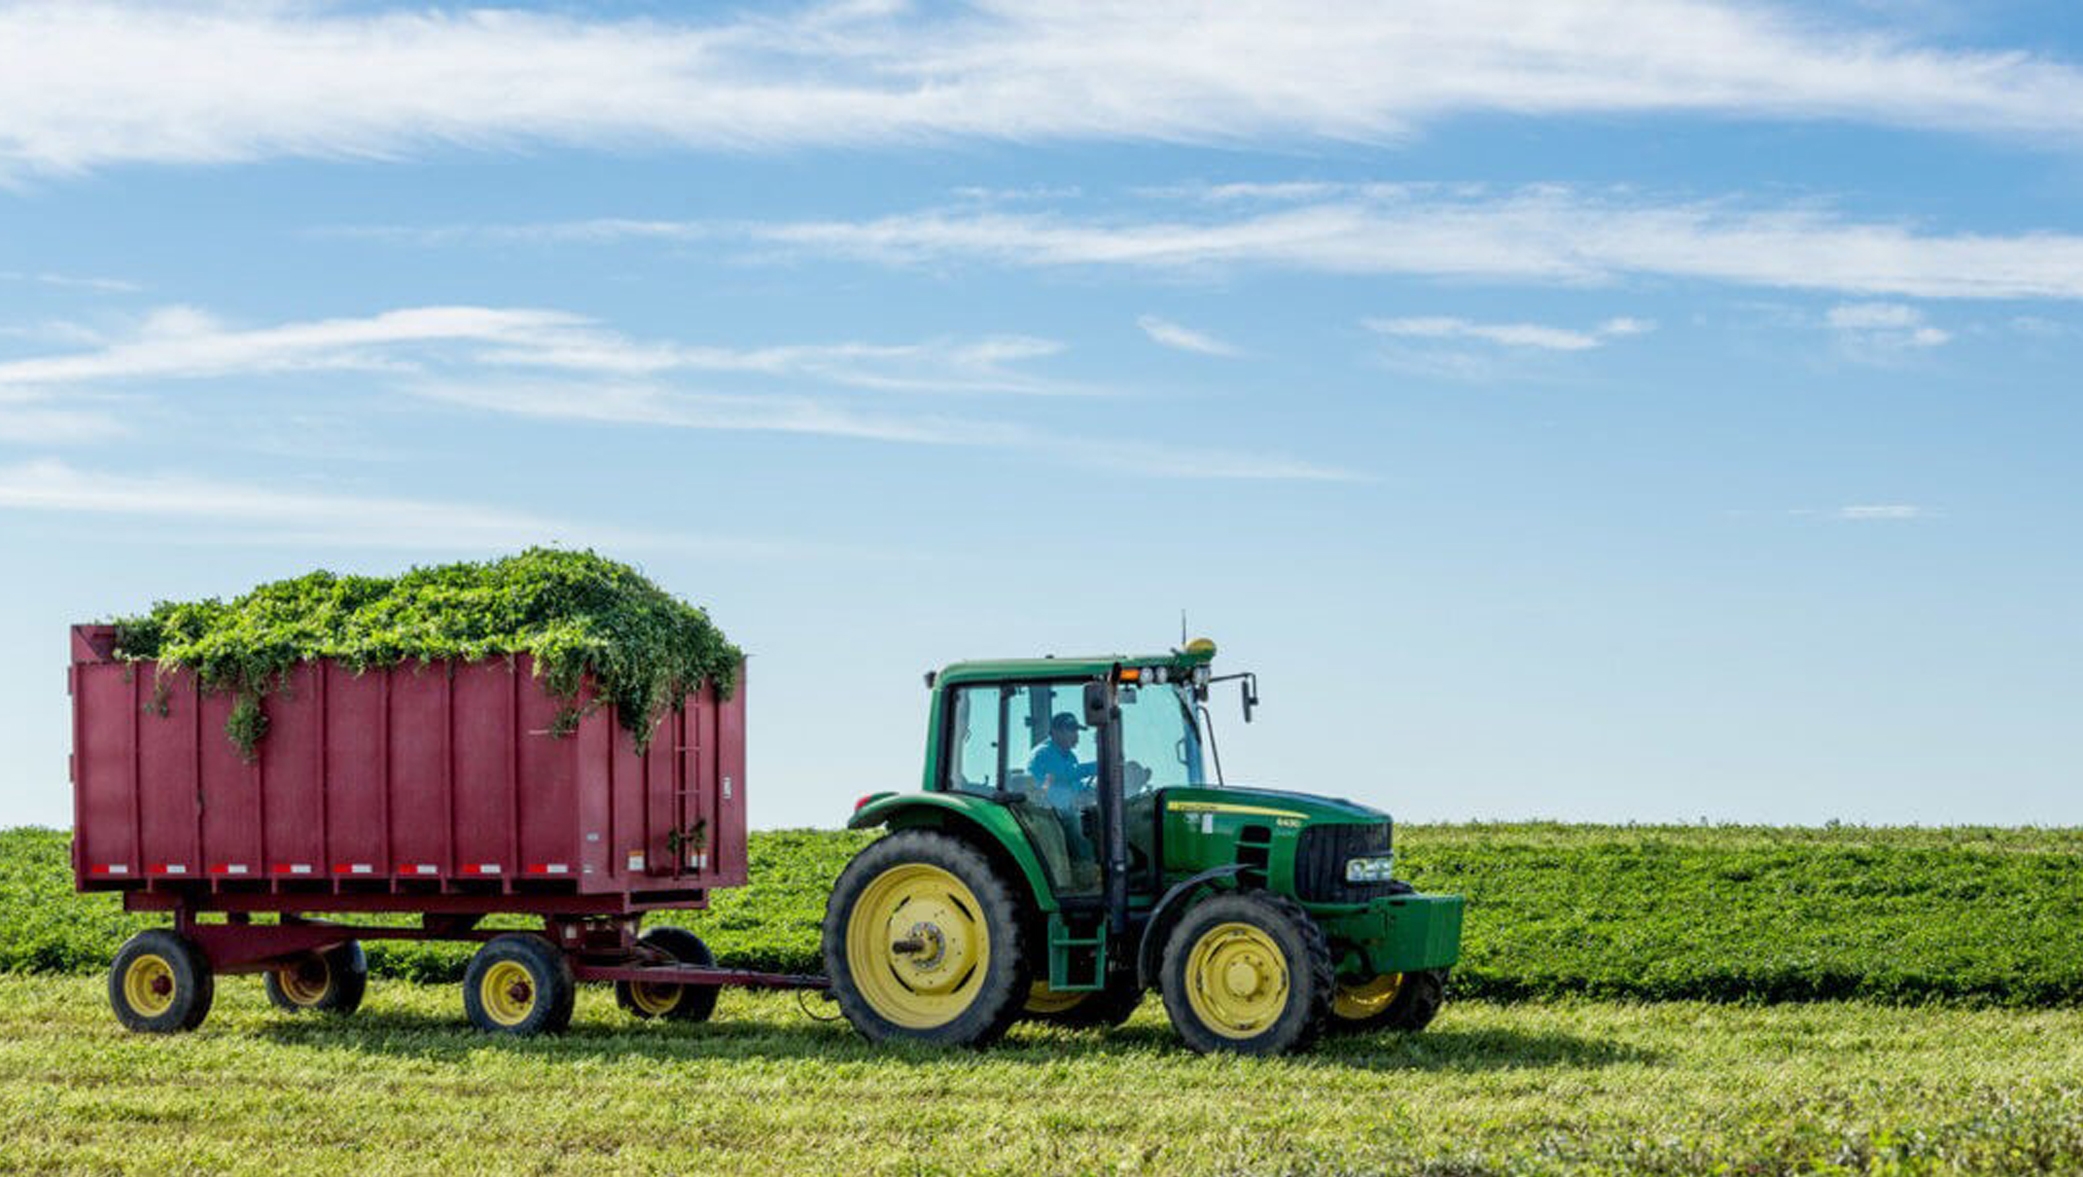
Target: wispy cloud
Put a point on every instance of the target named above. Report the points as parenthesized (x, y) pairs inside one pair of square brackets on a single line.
[(1533, 335), (1868, 512), (95, 83), (1166, 333), (1883, 330), (253, 512), (72, 281)]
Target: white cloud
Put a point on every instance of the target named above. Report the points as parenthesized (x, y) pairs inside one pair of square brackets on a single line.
[(1881, 331), (1166, 333), (1882, 511), (96, 82), (1534, 335), (252, 512), (72, 281), (1548, 234)]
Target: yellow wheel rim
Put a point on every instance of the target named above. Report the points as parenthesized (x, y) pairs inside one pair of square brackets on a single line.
[(507, 991), (917, 946), (148, 985), (1236, 980), (1043, 1000), (305, 983), (656, 1000), (1364, 999)]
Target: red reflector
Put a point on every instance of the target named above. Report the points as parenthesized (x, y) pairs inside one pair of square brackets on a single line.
[(858, 805)]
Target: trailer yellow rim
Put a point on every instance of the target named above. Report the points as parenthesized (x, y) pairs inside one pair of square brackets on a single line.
[(654, 999), (917, 946), (148, 985), (1236, 980), (306, 982), (1364, 999), (1043, 1000), (507, 991)]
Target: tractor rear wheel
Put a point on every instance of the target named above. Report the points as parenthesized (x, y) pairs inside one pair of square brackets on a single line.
[(1249, 973), (679, 1003), (161, 983), (922, 942), (332, 981), (1393, 1001), (519, 984), (1106, 1007)]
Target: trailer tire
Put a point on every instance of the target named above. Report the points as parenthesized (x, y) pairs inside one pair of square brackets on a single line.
[(331, 982), (160, 983), (519, 984), (1248, 973), (962, 978), (679, 1003)]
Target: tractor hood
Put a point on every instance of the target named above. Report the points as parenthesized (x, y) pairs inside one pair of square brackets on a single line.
[(1287, 809)]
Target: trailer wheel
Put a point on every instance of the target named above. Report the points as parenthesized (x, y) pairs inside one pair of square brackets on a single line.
[(1392, 1001), (519, 984), (331, 982), (922, 941), (161, 983), (1248, 973), (680, 1003)]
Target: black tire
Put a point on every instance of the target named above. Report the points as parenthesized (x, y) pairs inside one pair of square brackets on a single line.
[(1105, 1008), (519, 984), (679, 1003), (1292, 1022), (991, 994), (330, 982), (160, 983)]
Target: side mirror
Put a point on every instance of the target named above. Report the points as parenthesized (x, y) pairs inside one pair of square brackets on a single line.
[(1097, 704), (1249, 691)]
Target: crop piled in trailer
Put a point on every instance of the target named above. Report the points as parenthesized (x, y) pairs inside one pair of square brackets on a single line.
[(575, 613)]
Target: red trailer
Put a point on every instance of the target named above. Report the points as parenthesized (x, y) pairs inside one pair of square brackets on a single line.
[(445, 791)]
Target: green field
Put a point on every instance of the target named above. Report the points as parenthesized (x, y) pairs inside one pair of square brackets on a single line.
[(1633, 1000), (1979, 916)]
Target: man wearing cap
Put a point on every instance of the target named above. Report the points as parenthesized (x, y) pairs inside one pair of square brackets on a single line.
[(1058, 776)]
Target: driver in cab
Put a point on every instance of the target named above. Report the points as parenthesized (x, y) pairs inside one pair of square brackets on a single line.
[(1055, 767)]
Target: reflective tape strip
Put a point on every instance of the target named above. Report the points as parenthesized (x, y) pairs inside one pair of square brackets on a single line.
[(292, 868), (111, 868), (480, 868), (549, 868), (228, 868), (426, 868), (168, 868), (353, 868)]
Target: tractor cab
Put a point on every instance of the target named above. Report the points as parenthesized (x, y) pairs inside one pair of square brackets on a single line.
[(1082, 789)]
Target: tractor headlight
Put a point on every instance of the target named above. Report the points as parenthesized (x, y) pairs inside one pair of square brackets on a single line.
[(1375, 868)]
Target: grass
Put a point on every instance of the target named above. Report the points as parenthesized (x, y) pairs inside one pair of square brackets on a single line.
[(1744, 914), (1523, 1088)]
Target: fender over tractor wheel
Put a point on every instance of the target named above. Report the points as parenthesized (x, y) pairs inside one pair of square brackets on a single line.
[(679, 1003), (922, 940), (519, 984), (161, 983), (1248, 973), (332, 981)]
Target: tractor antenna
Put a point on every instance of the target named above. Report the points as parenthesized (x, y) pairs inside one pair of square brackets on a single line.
[(1182, 629)]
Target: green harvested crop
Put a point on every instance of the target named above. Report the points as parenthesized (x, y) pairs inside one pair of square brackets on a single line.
[(574, 612)]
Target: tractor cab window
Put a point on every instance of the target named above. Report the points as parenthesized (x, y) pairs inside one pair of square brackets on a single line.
[(1029, 740), (1160, 742)]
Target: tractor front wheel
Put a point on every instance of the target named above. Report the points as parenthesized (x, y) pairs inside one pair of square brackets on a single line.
[(332, 981), (922, 941), (1248, 973), (1393, 1001)]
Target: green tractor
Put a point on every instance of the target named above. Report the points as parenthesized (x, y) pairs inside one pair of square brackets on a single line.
[(1069, 853)]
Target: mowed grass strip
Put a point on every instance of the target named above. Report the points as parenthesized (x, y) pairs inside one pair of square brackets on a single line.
[(1526, 1088), (1961, 915)]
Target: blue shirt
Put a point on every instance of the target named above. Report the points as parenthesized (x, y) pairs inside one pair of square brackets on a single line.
[(1052, 761)]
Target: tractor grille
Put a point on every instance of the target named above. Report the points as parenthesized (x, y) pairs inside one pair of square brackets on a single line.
[(1320, 863)]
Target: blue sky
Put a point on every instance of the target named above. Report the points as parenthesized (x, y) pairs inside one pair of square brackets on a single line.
[(1634, 411)]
